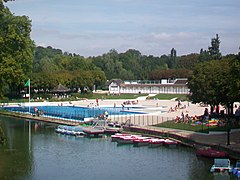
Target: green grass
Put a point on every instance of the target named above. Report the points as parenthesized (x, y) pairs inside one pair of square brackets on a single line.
[(122, 96), (181, 97), (106, 96), (196, 128)]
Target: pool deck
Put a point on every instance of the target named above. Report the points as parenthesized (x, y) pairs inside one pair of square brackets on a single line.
[(148, 106)]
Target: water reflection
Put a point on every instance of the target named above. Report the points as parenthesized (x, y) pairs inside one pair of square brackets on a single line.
[(43, 154), (15, 155)]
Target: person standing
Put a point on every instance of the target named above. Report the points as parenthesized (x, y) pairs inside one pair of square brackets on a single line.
[(237, 114), (206, 114), (106, 114)]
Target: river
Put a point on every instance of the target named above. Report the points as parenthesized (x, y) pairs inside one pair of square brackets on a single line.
[(36, 152)]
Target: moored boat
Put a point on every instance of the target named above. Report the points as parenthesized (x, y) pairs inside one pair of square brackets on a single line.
[(127, 139), (60, 129), (211, 153), (221, 165), (170, 143), (69, 130), (155, 142), (116, 136), (236, 169), (141, 141), (78, 131)]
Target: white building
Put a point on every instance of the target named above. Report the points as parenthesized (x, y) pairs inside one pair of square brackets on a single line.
[(164, 86)]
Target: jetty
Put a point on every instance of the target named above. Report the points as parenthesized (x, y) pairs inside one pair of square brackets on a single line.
[(194, 139), (68, 122)]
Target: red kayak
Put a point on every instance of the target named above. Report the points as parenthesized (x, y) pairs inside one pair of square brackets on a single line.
[(211, 153)]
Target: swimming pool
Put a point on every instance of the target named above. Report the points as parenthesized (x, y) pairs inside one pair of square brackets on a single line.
[(73, 112)]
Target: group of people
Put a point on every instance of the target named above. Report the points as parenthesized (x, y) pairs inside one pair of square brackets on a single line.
[(177, 107), (130, 102), (185, 118)]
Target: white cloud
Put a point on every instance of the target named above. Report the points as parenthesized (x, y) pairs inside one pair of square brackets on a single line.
[(160, 36)]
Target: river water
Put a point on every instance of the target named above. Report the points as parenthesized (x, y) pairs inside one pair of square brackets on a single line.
[(37, 152)]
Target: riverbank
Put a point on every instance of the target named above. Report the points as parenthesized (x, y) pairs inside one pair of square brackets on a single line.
[(194, 139), (41, 118)]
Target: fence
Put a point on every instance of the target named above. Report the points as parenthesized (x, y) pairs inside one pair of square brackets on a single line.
[(140, 119), (169, 122)]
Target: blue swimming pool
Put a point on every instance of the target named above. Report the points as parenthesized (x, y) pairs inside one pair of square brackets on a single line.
[(76, 113)]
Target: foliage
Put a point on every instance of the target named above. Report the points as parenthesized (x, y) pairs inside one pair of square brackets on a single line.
[(204, 56), (213, 83), (170, 74), (214, 51), (187, 61), (53, 67), (172, 59), (130, 65), (16, 51)]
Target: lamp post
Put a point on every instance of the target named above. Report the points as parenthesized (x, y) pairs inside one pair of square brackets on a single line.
[(228, 130)]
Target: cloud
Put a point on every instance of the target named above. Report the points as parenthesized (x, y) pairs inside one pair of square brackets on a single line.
[(160, 36), (153, 27)]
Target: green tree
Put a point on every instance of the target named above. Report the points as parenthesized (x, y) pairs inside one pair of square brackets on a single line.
[(187, 61), (214, 50), (16, 51), (172, 58), (99, 78), (214, 83), (204, 56), (170, 74)]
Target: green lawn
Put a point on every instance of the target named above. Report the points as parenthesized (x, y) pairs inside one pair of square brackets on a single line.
[(106, 96), (171, 96), (196, 128)]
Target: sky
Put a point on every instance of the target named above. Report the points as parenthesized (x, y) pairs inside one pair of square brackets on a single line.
[(154, 27)]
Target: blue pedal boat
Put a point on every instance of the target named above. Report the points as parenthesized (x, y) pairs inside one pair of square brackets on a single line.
[(236, 169)]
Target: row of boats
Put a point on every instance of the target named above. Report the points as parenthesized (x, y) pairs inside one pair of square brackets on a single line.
[(70, 130), (138, 140), (224, 165), (94, 131)]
